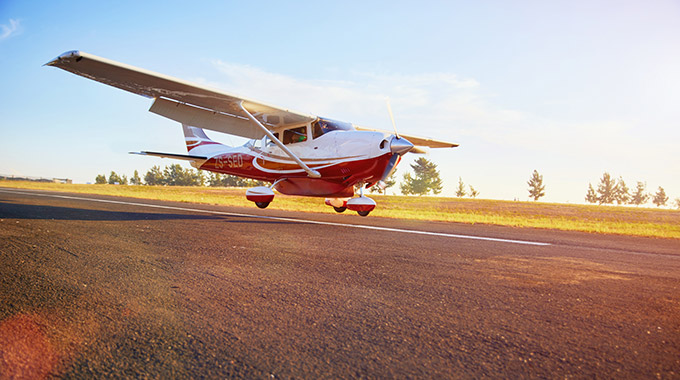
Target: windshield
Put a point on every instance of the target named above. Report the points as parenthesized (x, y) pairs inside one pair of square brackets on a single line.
[(322, 126)]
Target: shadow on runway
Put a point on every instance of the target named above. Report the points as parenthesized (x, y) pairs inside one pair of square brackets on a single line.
[(9, 210)]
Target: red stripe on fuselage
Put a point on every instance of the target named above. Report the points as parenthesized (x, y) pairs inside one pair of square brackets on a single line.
[(335, 178)]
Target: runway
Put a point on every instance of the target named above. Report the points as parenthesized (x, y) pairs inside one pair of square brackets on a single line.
[(104, 286)]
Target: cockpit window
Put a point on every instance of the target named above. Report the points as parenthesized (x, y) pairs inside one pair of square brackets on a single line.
[(267, 142), (295, 135), (322, 126)]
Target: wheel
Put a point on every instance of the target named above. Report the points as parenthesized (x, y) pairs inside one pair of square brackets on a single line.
[(339, 209), (262, 204), (363, 213)]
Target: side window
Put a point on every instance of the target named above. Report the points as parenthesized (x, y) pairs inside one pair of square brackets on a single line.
[(295, 135)]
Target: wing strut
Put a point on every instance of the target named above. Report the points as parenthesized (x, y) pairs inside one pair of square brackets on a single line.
[(310, 172)]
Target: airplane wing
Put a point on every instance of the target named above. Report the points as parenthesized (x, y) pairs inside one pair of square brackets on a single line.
[(182, 101), (415, 140)]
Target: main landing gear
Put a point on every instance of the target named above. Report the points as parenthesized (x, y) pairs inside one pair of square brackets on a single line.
[(261, 195)]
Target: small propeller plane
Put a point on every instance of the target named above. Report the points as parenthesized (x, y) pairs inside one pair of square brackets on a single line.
[(299, 154)]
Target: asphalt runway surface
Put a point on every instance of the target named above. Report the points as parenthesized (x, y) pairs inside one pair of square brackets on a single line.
[(94, 286)]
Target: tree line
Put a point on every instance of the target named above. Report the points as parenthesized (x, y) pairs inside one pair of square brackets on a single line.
[(176, 175), (610, 191), (425, 179)]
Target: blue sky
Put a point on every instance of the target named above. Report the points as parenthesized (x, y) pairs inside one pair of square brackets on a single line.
[(569, 88)]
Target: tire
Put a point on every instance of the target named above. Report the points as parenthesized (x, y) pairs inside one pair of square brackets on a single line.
[(339, 209), (363, 213), (262, 204)]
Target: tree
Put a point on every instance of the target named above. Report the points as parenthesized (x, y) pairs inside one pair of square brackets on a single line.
[(460, 191), (390, 181), (214, 179), (591, 197), (175, 175), (660, 197), (621, 192), (473, 193), (387, 182), (100, 179), (135, 180), (536, 186), (426, 178), (677, 203), (227, 180), (115, 179), (606, 190), (639, 196), (154, 176), (200, 177)]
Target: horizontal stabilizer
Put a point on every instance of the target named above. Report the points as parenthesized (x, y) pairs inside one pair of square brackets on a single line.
[(171, 155)]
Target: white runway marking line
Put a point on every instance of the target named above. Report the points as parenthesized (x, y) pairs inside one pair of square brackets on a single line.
[(288, 219)]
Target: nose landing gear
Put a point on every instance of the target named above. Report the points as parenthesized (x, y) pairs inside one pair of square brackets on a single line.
[(362, 205)]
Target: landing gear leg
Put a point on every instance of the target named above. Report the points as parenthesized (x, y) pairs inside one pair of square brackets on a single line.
[(362, 205)]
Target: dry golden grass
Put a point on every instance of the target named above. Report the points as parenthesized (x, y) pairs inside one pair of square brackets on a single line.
[(596, 219)]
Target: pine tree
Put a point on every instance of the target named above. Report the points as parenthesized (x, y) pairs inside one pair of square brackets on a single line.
[(154, 176), (460, 192), (660, 197), (200, 177), (135, 180), (591, 197), (114, 179), (639, 196), (621, 192), (175, 175), (536, 186), (100, 179), (426, 178), (473, 193), (606, 189)]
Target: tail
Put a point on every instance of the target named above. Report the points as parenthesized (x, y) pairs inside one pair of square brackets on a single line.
[(198, 142)]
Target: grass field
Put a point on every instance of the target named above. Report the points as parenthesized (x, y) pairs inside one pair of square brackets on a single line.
[(595, 219)]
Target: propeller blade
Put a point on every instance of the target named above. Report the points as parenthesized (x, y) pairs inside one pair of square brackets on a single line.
[(394, 125)]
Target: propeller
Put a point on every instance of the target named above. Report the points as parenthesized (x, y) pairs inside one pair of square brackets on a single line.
[(389, 109), (398, 146)]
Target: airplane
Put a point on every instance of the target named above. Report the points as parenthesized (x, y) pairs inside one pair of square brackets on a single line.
[(298, 153)]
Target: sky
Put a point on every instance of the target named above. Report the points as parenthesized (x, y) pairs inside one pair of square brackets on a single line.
[(571, 89)]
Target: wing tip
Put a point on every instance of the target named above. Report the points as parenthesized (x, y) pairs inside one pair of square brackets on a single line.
[(65, 57)]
